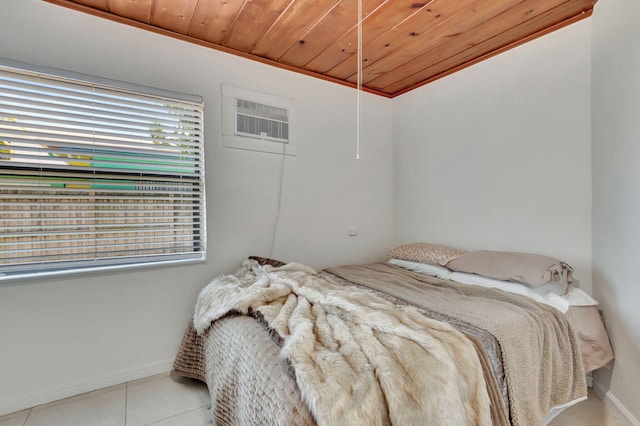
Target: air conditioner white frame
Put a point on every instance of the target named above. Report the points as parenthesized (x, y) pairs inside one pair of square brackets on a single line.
[(231, 139)]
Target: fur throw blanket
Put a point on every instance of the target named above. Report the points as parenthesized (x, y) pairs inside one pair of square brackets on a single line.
[(358, 358)]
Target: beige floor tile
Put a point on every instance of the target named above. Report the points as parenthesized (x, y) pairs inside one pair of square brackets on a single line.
[(151, 378), (99, 409), (592, 412), (74, 398), (154, 400), (198, 417), (15, 419)]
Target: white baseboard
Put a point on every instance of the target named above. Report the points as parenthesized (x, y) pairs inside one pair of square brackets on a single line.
[(67, 390), (621, 412)]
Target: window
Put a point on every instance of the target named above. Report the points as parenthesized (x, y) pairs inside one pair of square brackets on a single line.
[(96, 173), (257, 121)]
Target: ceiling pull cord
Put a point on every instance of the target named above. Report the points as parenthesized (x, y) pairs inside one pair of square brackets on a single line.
[(359, 80)]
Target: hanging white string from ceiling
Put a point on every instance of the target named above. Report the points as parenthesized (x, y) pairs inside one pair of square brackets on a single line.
[(359, 80)]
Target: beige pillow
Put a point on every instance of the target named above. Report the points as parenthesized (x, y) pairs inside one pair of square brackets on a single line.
[(531, 269), (431, 254)]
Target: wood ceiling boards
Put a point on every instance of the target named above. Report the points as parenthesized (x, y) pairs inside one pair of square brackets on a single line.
[(405, 43)]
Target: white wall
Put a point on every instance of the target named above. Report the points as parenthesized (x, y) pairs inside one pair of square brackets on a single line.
[(63, 336), (616, 194), (497, 156)]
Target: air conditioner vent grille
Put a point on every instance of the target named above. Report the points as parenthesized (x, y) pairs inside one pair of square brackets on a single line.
[(262, 121)]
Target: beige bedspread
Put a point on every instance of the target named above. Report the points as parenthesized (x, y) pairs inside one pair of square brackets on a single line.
[(355, 354), (541, 357), (248, 382)]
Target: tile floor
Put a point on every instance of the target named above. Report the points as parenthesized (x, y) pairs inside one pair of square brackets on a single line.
[(161, 400), (170, 400), (591, 412)]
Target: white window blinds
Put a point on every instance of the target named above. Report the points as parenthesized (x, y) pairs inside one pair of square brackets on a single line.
[(93, 175)]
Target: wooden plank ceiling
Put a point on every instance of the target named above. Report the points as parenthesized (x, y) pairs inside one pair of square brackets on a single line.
[(405, 43)]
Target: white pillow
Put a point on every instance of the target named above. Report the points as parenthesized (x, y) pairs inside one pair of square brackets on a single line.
[(578, 297), (422, 268), (540, 294)]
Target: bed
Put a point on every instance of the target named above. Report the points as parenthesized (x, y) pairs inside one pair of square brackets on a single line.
[(384, 343)]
